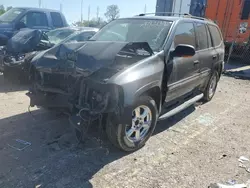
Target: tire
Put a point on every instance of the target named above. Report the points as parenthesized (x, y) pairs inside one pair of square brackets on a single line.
[(208, 94), (117, 134)]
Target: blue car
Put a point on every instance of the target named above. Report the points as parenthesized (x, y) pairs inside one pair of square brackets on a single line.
[(33, 18)]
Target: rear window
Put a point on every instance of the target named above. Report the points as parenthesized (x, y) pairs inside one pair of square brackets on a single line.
[(216, 36), (56, 19)]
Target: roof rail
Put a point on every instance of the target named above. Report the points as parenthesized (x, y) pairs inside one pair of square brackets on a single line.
[(172, 13), (186, 15)]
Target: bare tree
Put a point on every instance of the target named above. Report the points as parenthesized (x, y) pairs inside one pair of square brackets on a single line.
[(112, 12)]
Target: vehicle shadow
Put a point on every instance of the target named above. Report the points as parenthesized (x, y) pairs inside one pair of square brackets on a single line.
[(54, 158), (9, 86), (166, 124)]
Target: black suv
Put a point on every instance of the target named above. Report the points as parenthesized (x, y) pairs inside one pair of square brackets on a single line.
[(132, 73)]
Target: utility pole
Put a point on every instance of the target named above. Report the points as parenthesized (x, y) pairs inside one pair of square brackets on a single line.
[(97, 13), (145, 9), (180, 8), (88, 13), (61, 7), (81, 10), (40, 3)]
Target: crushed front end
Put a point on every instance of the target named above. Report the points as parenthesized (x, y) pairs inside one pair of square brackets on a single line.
[(75, 77)]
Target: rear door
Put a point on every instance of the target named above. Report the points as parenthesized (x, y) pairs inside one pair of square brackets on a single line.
[(205, 50), (218, 44), (183, 71), (57, 20)]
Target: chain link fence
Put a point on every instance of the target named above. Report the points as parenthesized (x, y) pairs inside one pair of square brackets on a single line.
[(237, 48)]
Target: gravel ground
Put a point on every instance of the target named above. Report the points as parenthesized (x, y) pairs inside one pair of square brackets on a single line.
[(195, 148)]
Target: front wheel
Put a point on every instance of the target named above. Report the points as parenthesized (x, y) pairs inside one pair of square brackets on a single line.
[(143, 121), (211, 87)]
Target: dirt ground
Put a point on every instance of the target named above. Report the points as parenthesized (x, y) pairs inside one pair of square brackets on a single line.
[(193, 149)]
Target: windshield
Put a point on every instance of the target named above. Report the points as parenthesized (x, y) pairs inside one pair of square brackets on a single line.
[(11, 15), (153, 32), (58, 35)]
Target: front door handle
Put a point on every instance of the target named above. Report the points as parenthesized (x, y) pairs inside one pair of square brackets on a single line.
[(214, 56), (196, 62)]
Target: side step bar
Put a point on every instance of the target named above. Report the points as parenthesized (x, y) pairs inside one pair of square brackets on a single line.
[(181, 107)]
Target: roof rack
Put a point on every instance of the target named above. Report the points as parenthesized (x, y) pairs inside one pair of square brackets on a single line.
[(186, 15)]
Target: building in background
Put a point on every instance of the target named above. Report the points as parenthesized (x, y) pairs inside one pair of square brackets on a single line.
[(194, 7)]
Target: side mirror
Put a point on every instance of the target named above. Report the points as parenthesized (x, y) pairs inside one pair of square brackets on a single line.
[(20, 25), (183, 50)]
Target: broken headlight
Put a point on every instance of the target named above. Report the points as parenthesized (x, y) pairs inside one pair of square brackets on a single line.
[(15, 59)]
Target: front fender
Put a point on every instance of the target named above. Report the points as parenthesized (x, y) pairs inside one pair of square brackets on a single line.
[(140, 77)]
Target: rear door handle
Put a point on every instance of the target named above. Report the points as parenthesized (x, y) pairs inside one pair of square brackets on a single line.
[(214, 56), (196, 62)]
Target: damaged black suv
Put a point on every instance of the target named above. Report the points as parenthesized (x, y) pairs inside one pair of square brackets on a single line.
[(132, 73)]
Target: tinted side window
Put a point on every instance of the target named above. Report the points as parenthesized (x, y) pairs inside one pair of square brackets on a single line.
[(33, 19), (202, 36), (184, 34), (56, 19), (216, 36)]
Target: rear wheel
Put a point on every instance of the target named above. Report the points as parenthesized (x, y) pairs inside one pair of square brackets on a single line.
[(211, 87), (143, 121)]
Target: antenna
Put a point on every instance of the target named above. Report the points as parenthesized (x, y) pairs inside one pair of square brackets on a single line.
[(145, 9), (39, 3)]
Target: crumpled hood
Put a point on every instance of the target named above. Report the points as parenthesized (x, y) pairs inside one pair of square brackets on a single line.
[(89, 57)]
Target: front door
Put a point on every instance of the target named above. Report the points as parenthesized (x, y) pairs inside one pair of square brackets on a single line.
[(183, 71)]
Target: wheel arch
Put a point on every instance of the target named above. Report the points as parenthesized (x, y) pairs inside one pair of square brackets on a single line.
[(154, 93), (219, 68)]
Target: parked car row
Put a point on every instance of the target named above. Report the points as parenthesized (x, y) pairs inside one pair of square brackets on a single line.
[(130, 74), (17, 54)]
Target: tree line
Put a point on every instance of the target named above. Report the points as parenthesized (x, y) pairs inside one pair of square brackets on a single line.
[(3, 9), (112, 13)]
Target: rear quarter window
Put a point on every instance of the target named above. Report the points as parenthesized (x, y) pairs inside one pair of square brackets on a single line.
[(56, 19), (215, 34)]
